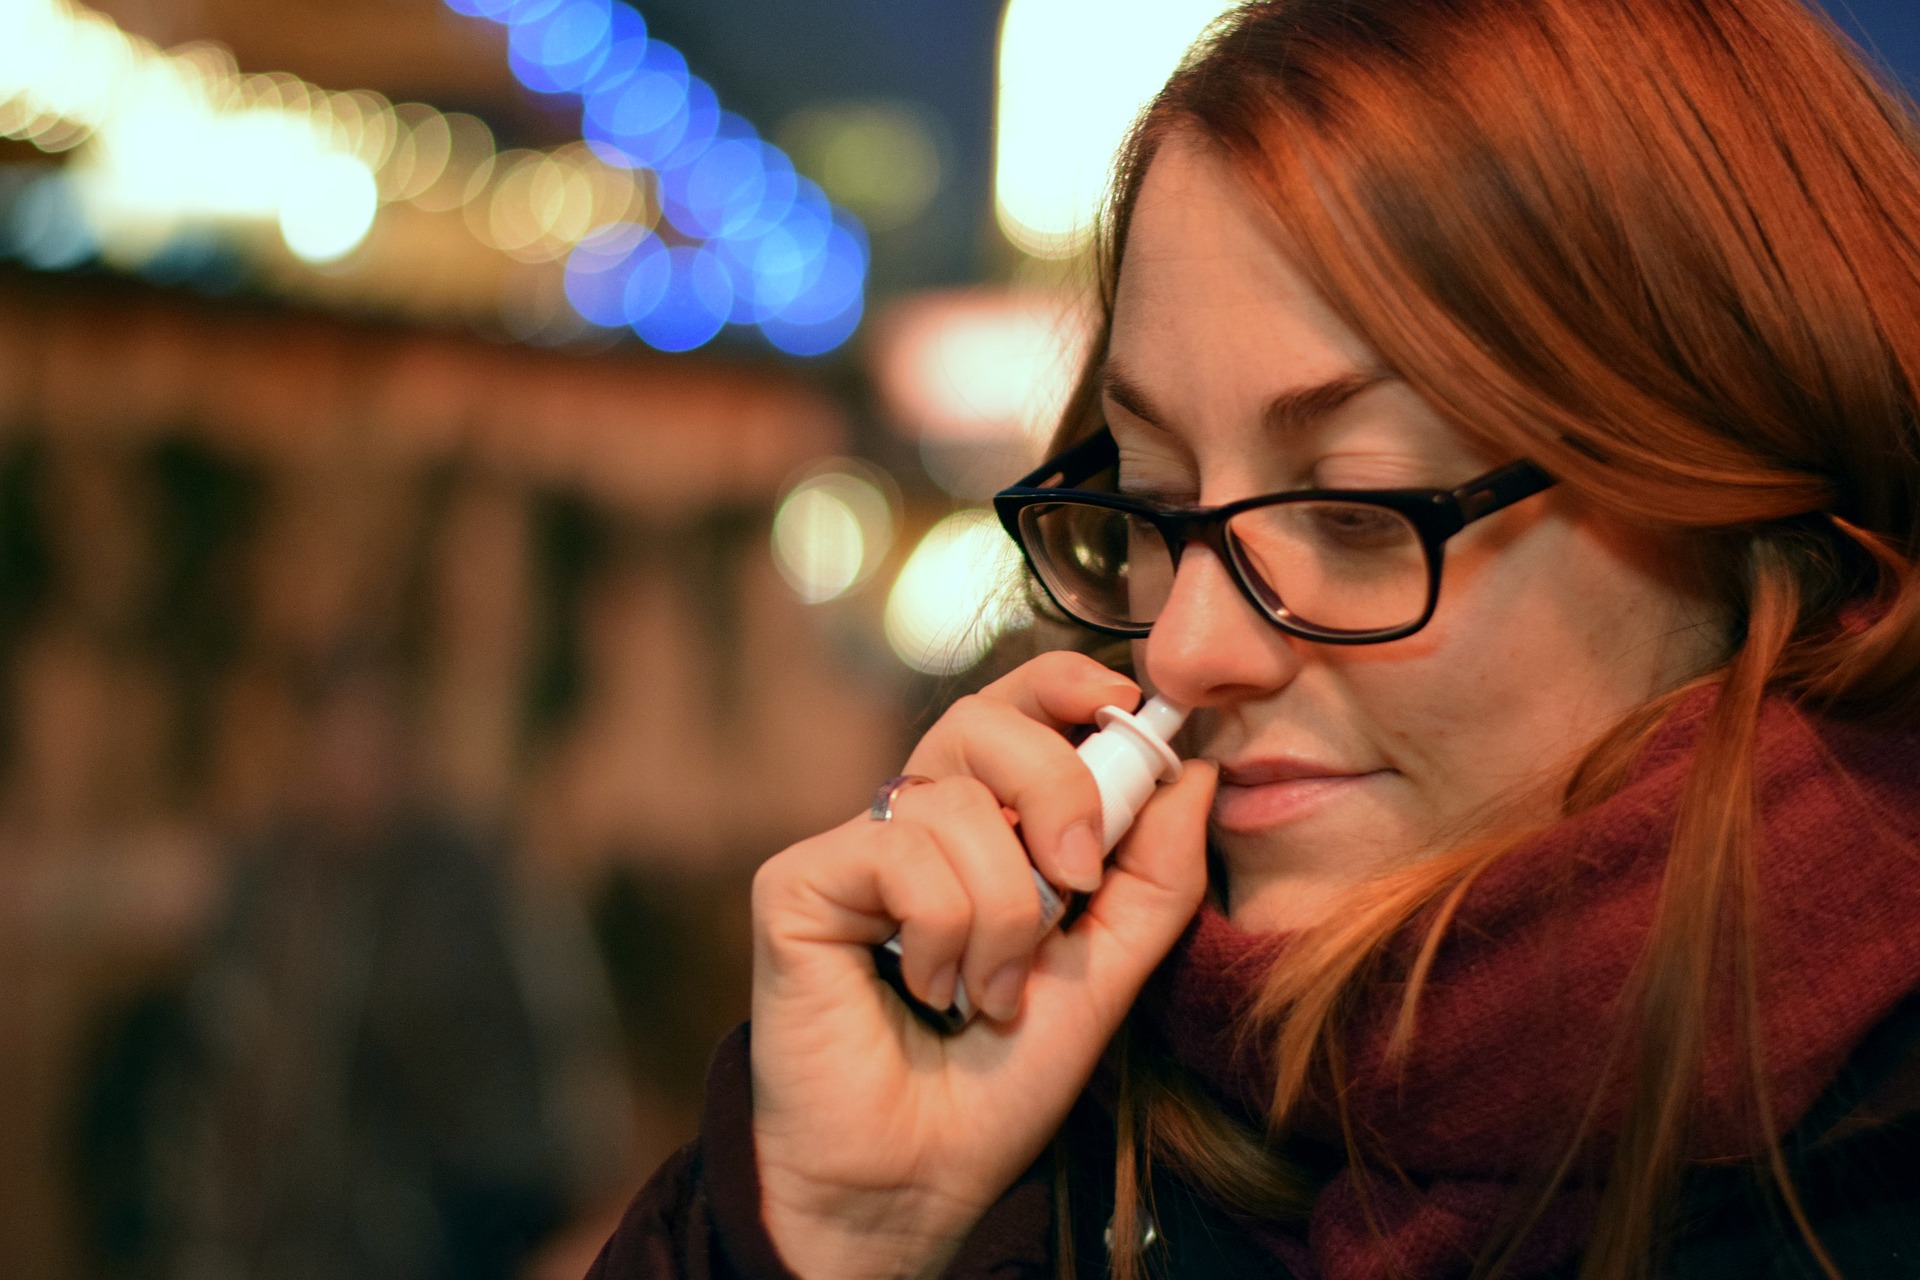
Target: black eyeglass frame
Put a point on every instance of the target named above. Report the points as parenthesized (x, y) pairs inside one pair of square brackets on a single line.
[(1435, 514)]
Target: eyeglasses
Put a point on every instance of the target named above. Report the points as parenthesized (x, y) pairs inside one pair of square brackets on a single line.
[(1340, 566)]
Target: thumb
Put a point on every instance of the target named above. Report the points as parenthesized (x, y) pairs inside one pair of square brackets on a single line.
[(1156, 882)]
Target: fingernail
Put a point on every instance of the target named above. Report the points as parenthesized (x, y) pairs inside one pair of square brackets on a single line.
[(1079, 857), (1001, 999), (940, 986)]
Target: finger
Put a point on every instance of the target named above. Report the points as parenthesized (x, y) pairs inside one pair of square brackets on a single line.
[(1155, 883), (858, 885), (1167, 844), (1062, 689), (964, 817), (1031, 769), (935, 914)]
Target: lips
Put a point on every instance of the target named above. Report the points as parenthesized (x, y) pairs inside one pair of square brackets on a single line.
[(1258, 795), (1256, 773)]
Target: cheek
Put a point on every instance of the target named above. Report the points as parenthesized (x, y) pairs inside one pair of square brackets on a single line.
[(1532, 656)]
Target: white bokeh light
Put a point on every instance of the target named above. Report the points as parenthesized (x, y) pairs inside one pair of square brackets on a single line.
[(174, 144), (327, 207), (1073, 76), (955, 595)]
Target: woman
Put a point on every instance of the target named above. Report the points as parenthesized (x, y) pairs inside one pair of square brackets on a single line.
[(1554, 856)]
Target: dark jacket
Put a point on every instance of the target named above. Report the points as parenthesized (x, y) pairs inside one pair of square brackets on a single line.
[(1854, 1162)]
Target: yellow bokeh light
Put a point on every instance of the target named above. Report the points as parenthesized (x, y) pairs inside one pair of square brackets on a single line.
[(879, 159), (832, 530), (506, 221), (818, 544), (1074, 74), (420, 155), (955, 595)]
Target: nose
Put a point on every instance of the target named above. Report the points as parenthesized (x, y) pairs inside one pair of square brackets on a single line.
[(1210, 646)]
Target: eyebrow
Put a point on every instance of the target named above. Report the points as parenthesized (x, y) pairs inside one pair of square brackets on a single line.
[(1293, 410)]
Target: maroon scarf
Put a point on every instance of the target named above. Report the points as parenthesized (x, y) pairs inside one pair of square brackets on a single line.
[(1520, 1007)]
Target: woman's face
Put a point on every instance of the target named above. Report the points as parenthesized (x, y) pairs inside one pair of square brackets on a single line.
[(1341, 761)]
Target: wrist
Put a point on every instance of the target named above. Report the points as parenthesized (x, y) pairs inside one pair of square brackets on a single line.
[(859, 1236)]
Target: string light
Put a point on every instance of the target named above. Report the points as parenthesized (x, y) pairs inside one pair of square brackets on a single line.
[(170, 147), (179, 143), (755, 244)]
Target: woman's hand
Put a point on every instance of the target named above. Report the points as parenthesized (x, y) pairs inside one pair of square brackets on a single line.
[(881, 1143)]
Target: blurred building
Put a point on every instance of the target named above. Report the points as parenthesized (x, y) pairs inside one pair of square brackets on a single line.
[(566, 562)]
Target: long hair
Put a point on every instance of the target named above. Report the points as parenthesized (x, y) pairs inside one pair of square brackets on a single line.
[(1666, 249)]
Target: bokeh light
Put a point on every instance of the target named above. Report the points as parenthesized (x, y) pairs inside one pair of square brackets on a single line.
[(764, 248), (49, 231), (956, 594), (980, 377), (692, 302), (879, 160), (327, 208), (833, 529), (174, 150), (1074, 74)]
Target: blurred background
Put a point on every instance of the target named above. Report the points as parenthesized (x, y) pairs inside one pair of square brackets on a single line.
[(476, 478)]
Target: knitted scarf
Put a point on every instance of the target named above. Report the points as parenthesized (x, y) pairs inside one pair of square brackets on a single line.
[(1524, 999)]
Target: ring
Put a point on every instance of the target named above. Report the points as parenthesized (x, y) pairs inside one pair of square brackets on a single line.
[(881, 810)]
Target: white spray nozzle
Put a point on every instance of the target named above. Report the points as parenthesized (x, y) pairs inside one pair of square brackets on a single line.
[(1162, 718), (1128, 758)]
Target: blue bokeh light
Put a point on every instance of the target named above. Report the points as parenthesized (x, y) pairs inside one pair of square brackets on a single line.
[(771, 252), (695, 302), (598, 270), (781, 184), (649, 272), (637, 120), (719, 194), (626, 49), (813, 339), (564, 50), (703, 120)]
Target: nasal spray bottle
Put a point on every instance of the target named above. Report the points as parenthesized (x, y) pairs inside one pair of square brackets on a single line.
[(1128, 757)]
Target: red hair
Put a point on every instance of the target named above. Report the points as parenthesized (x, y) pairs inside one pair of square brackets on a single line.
[(1665, 248)]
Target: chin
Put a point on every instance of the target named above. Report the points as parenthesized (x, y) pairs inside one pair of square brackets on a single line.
[(1313, 850)]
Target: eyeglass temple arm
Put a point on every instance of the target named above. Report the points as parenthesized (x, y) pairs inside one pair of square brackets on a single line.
[(1088, 458), (1502, 488)]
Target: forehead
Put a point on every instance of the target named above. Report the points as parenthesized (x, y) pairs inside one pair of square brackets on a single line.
[(1204, 279)]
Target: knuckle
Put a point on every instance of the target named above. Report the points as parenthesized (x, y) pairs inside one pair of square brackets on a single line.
[(967, 795), (1066, 664), (939, 910), (1019, 913), (1069, 666), (770, 879), (1061, 785), (1007, 904), (912, 853), (949, 801), (918, 866), (971, 710)]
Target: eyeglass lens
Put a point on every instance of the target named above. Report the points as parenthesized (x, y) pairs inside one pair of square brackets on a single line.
[(1327, 565)]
